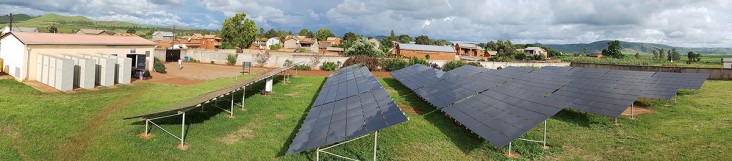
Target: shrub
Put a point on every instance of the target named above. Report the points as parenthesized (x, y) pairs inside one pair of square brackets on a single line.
[(212, 62), (275, 47), (328, 66), (364, 47), (231, 59), (194, 60), (519, 56), (302, 50), (416, 60), (158, 66), (477, 64), (434, 65), (395, 64), (262, 57), (302, 67), (288, 62), (372, 63), (452, 65)]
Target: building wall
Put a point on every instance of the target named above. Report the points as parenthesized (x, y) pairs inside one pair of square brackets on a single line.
[(433, 54), (714, 73), (121, 51), (291, 44), (277, 59), (13, 53)]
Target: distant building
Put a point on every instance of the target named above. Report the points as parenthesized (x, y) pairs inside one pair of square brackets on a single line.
[(297, 42), (6, 29), (472, 50), (535, 51), (273, 41), (334, 41), (727, 62), (20, 50), (334, 51), (163, 36), (199, 41), (421, 51), (93, 32)]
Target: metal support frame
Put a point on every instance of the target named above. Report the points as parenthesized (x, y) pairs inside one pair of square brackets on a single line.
[(543, 142), (182, 129), (243, 96), (632, 111), (318, 150)]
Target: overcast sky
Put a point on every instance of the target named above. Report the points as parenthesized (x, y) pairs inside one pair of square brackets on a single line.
[(687, 23)]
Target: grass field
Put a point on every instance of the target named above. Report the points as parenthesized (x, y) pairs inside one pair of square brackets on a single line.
[(89, 126)]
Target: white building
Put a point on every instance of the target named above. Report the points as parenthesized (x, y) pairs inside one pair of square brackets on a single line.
[(20, 50), (273, 41)]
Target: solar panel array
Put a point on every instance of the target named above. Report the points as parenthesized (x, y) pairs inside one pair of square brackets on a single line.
[(501, 105), (186, 105), (350, 104)]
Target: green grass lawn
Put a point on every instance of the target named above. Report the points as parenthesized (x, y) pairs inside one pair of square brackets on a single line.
[(88, 125)]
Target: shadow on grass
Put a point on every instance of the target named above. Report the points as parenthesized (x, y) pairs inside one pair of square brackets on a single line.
[(294, 131), (574, 117), (458, 135), (208, 111)]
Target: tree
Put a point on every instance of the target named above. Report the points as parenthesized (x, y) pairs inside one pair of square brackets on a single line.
[(53, 29), (349, 36), (423, 39), (655, 55), (442, 42), (270, 33), (323, 34), (239, 31), (392, 36), (404, 39), (637, 55), (364, 47), (693, 57), (131, 30), (613, 50), (262, 57), (661, 54), (491, 46), (306, 33), (261, 33)]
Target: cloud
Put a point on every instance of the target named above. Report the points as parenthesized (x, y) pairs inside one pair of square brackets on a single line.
[(692, 23)]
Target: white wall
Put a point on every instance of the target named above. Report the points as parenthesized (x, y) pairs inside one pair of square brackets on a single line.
[(277, 59), (495, 65), (13, 53), (80, 50)]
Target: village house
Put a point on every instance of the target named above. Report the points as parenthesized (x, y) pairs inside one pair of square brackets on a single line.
[(471, 50), (198, 41), (6, 29), (273, 41), (535, 51), (421, 51), (20, 50), (334, 41), (93, 32), (297, 42), (258, 44), (163, 36)]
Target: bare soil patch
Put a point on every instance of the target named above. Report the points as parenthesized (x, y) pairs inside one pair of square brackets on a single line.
[(244, 132), (280, 116), (638, 110), (409, 109), (194, 73)]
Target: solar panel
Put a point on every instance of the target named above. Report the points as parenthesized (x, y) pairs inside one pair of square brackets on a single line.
[(347, 110), (501, 105)]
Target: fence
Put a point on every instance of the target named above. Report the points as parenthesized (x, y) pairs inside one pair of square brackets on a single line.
[(277, 59), (714, 73)]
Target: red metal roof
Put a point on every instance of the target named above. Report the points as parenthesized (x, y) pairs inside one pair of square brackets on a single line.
[(78, 39)]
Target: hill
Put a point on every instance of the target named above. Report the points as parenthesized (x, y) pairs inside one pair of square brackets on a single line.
[(71, 24), (635, 46), (17, 18)]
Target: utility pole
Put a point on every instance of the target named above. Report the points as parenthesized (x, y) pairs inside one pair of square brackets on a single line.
[(11, 22)]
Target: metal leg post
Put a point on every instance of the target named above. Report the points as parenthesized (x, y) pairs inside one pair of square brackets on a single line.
[(147, 129), (232, 105), (509, 149), (183, 130), (317, 154), (243, 95), (376, 136), (544, 134), (632, 111)]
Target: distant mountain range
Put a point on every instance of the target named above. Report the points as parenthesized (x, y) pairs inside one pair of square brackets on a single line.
[(71, 24), (645, 48)]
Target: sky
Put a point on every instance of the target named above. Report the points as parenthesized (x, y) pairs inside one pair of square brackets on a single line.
[(683, 23)]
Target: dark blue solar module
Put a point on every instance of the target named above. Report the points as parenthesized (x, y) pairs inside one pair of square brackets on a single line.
[(359, 106)]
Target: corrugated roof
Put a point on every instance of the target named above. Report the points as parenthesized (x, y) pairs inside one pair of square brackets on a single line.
[(30, 38), (165, 33), (90, 31), (426, 47)]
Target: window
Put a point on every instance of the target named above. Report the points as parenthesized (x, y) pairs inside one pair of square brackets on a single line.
[(133, 50)]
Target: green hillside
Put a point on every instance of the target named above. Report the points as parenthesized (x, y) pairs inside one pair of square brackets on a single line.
[(17, 18), (636, 46), (71, 24)]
